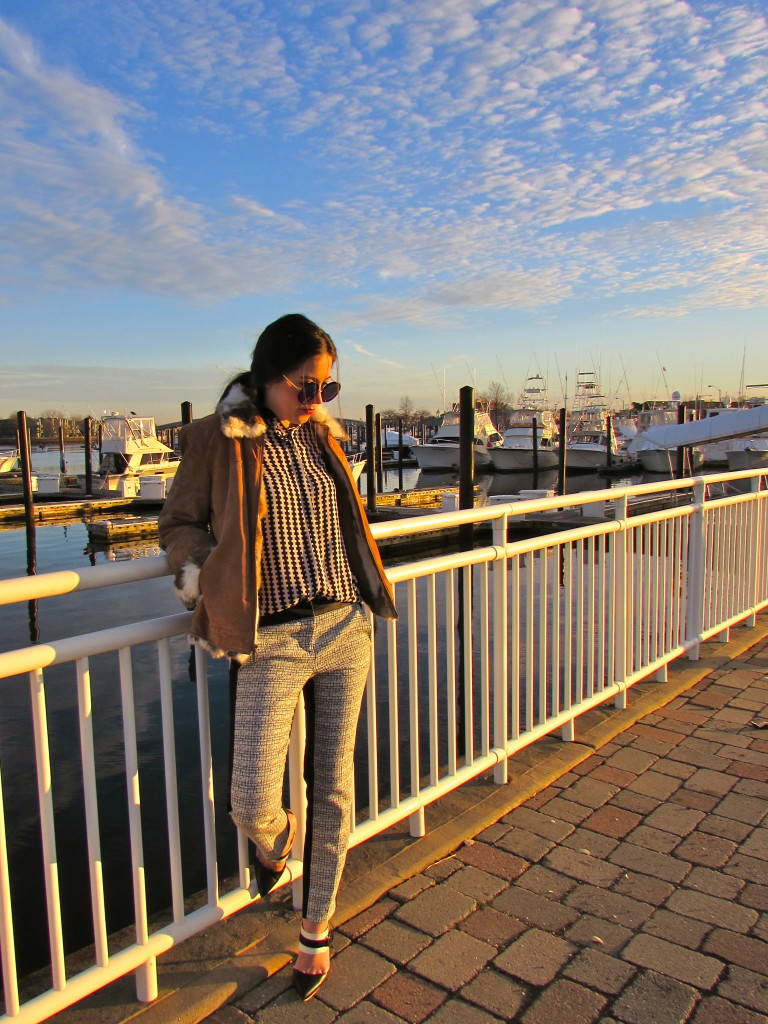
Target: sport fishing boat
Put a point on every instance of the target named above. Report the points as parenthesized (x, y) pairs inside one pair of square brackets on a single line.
[(516, 454), (441, 451), (9, 460), (131, 453)]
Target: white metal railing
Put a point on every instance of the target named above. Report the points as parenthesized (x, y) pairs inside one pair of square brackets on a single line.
[(549, 627)]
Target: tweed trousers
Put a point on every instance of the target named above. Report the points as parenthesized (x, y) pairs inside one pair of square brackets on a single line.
[(327, 657)]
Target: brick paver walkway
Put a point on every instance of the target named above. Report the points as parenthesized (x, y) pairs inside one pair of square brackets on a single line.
[(632, 890)]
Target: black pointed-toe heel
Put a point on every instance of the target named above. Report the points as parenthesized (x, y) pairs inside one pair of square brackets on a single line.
[(267, 878), (307, 984)]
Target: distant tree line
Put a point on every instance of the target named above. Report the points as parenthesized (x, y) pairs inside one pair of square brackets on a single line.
[(43, 427)]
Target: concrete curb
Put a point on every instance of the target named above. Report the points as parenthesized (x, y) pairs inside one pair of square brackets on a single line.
[(190, 997)]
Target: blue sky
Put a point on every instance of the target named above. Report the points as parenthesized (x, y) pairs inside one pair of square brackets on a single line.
[(459, 192)]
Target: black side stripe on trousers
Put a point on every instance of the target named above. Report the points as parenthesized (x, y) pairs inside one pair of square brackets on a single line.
[(309, 782)]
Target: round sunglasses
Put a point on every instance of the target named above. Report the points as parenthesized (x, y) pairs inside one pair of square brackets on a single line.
[(309, 392)]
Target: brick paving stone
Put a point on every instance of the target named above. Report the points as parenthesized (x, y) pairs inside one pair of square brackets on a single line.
[(591, 792), (476, 883), (712, 697), (492, 926), (456, 1011), (653, 839), (677, 769), (493, 833), (443, 868), (539, 823), (367, 1013), (495, 862), (564, 780), (750, 810), (712, 910), (589, 765), (411, 888), (749, 868), (263, 993), (751, 787), (568, 810), (760, 931), (726, 828), (361, 923), (738, 949), (754, 896), (648, 862), (525, 844), (655, 784), (673, 818), (287, 1007), (715, 883), (655, 999), (436, 910), (699, 758), (639, 803), (535, 957), (650, 745), (631, 760), (677, 928), (356, 972), (729, 738), (495, 992), (709, 851), (645, 888), (591, 843), (714, 1010), (748, 771), (740, 678), (616, 776), (596, 933), (695, 801), (542, 797), (453, 960), (545, 882), (685, 965), (565, 1003), (613, 821), (745, 987), (408, 998), (656, 732), (395, 941), (609, 905), (581, 866), (600, 971), (535, 910), (756, 845)]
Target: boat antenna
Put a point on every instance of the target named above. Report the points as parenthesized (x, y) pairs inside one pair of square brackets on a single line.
[(663, 377), (437, 381), (501, 371)]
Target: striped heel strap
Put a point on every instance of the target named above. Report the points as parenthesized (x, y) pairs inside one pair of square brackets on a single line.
[(314, 943)]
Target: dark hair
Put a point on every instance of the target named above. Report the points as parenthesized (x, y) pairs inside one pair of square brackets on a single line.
[(285, 344)]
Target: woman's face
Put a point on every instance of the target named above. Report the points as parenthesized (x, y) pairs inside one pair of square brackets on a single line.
[(282, 395)]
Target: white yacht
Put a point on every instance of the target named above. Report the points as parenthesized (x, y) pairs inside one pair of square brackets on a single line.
[(130, 448), (516, 454), (441, 452), (587, 449)]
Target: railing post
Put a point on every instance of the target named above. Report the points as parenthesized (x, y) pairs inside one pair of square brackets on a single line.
[(500, 772), (756, 555), (694, 612), (621, 541)]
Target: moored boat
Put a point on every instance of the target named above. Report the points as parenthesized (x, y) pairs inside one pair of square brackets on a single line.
[(516, 453), (441, 452)]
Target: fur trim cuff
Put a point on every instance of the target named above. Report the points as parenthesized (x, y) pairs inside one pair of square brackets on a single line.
[(187, 584), (218, 652)]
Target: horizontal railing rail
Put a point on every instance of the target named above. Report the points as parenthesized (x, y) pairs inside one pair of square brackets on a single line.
[(495, 647)]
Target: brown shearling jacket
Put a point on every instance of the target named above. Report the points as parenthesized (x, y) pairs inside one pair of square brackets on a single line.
[(210, 525)]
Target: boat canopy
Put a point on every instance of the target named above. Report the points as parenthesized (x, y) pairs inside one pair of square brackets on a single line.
[(726, 424)]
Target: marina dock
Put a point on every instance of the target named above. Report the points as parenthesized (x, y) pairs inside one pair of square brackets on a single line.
[(621, 877)]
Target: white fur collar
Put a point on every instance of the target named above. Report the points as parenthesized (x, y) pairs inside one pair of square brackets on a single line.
[(241, 418)]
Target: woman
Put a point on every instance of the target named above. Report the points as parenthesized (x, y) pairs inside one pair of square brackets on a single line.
[(266, 534)]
